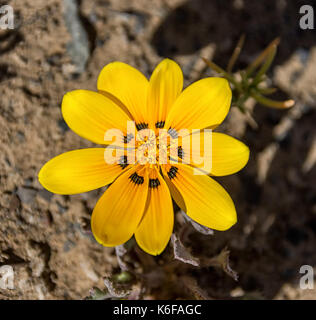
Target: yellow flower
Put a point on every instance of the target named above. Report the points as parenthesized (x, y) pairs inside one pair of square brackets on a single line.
[(139, 200)]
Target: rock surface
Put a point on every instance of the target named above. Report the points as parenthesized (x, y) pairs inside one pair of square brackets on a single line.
[(60, 46)]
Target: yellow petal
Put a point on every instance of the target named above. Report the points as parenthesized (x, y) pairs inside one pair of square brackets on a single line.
[(90, 114), (165, 86), (203, 104), (155, 229), (175, 194), (120, 209), (78, 171), (229, 155), (220, 153), (206, 201), (128, 85)]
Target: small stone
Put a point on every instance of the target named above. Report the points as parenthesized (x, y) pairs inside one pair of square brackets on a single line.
[(26, 195), (78, 48), (46, 195)]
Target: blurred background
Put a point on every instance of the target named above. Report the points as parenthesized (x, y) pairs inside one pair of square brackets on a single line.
[(61, 45)]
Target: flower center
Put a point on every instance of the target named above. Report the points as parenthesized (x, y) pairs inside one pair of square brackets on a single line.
[(154, 148)]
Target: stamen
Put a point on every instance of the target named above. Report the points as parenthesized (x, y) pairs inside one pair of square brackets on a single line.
[(154, 183), (172, 172), (136, 178), (160, 124)]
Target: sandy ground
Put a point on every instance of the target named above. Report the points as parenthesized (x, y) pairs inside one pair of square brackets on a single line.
[(58, 46)]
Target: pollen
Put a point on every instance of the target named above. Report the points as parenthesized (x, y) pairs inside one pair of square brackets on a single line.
[(156, 148)]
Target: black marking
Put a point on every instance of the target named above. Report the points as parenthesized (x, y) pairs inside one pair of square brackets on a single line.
[(141, 126), (136, 178), (123, 162), (172, 172), (154, 183), (160, 124), (173, 133), (180, 152), (128, 138)]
